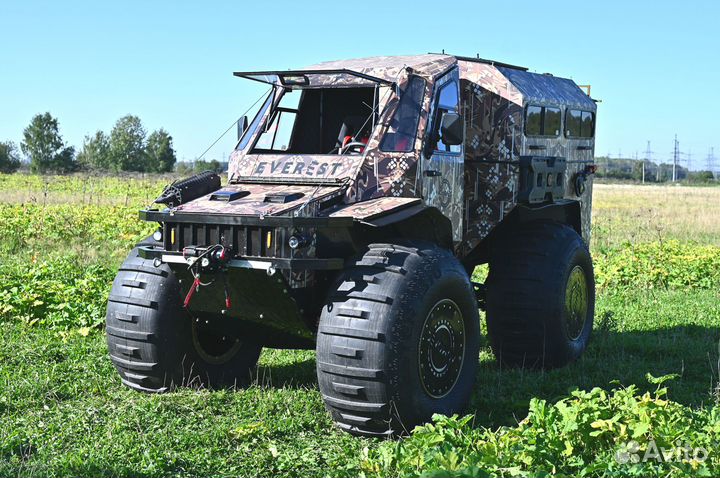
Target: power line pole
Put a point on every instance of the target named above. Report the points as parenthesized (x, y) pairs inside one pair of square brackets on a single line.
[(642, 167), (646, 159), (711, 161), (676, 158)]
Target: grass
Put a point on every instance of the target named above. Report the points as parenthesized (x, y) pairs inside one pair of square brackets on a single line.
[(636, 213), (64, 412), (129, 189)]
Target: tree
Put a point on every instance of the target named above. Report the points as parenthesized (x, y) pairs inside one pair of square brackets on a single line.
[(9, 160), (212, 165), (160, 155), (199, 166), (127, 145), (44, 146), (95, 153)]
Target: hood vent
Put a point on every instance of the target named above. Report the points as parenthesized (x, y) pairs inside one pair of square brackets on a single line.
[(227, 195), (282, 197)]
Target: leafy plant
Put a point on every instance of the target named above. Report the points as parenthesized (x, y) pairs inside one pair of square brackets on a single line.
[(59, 293), (590, 433), (667, 264)]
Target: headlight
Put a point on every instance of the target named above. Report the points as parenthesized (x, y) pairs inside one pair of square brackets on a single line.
[(296, 242)]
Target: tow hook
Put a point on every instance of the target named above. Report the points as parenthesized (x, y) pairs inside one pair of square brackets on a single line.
[(212, 259)]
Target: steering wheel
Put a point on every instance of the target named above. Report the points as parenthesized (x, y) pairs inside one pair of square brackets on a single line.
[(353, 147)]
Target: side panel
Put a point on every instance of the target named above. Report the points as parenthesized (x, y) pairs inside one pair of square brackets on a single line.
[(395, 174), (493, 135)]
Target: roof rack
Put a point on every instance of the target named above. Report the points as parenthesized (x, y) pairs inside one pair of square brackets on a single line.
[(477, 59)]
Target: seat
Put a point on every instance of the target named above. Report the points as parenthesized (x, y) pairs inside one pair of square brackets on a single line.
[(350, 129)]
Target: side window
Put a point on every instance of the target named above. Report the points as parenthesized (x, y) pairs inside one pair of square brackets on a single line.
[(447, 101), (400, 135), (579, 124), (542, 121), (278, 134), (533, 121)]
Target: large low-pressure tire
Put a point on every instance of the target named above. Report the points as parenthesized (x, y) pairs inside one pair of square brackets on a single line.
[(154, 342), (398, 340), (540, 296)]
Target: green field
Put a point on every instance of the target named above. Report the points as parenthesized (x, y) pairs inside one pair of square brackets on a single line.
[(63, 411)]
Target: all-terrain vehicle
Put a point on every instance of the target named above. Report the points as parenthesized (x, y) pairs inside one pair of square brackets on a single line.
[(358, 202)]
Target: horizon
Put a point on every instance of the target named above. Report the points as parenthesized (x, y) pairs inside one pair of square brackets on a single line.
[(171, 64)]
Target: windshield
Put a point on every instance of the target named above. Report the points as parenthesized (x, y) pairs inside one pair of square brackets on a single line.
[(400, 135), (314, 121), (249, 132)]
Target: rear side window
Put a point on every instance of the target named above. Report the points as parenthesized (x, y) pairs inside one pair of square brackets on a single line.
[(542, 121), (573, 123), (400, 135), (533, 121), (588, 124), (579, 124)]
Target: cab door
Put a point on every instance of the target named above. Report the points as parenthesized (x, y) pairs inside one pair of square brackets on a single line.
[(443, 164)]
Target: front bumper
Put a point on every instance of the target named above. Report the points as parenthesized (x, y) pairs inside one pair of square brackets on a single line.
[(268, 264)]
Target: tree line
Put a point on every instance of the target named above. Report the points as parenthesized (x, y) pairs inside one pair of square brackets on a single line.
[(127, 147), (639, 170)]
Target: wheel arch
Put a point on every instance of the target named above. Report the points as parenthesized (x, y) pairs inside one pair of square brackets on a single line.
[(421, 222), (564, 211)]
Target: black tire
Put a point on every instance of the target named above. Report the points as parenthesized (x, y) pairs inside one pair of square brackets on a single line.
[(540, 276), (369, 354), (153, 341)]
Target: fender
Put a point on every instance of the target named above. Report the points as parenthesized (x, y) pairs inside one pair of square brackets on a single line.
[(565, 211)]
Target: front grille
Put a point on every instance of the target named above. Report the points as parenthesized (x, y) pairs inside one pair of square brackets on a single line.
[(243, 240)]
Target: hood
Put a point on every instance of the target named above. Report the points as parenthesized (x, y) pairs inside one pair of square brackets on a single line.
[(264, 200)]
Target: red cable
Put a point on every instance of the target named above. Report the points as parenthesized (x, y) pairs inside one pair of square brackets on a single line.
[(191, 292)]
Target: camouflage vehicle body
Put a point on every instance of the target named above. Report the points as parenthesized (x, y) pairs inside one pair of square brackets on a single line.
[(472, 193), (355, 231)]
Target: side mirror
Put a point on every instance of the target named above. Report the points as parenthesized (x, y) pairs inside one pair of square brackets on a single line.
[(242, 125), (451, 129)]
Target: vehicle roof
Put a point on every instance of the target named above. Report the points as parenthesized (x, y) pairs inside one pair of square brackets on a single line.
[(390, 67), (499, 77), (534, 87)]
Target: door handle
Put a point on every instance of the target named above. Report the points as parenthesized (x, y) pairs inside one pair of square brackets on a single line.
[(432, 173)]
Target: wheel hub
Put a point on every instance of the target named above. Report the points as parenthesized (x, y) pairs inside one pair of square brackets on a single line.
[(441, 349), (211, 345), (576, 302)]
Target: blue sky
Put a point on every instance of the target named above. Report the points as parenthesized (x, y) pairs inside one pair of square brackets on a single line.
[(655, 65)]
